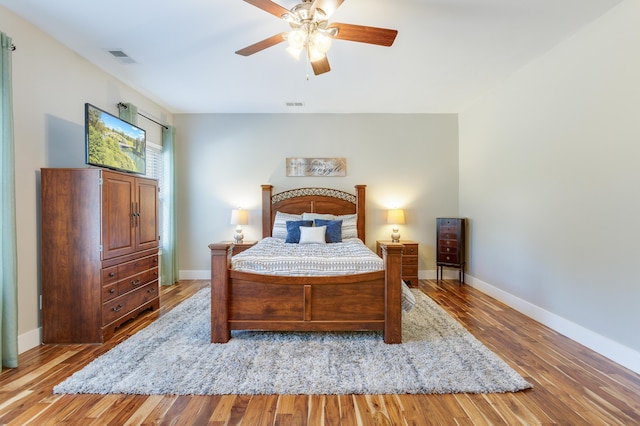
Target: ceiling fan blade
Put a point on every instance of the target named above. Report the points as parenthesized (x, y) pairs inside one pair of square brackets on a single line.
[(321, 66), (269, 6), (362, 34), (327, 6), (261, 45)]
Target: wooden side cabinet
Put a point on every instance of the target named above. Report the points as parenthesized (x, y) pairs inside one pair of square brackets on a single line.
[(450, 245), (409, 260)]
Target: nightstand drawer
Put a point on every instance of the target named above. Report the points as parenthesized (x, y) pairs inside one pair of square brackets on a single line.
[(409, 260), (410, 250), (409, 270)]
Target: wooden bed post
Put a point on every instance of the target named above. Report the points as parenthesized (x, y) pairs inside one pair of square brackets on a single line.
[(360, 200), (392, 257), (267, 220), (220, 262)]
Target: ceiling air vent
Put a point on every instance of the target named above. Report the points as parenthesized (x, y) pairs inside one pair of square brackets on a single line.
[(295, 104), (121, 56)]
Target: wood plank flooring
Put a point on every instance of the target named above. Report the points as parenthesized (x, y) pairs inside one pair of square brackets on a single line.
[(572, 385)]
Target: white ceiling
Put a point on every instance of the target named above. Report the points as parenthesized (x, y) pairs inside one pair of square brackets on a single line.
[(447, 52)]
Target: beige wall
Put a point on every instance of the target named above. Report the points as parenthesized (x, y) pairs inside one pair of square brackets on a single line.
[(50, 87), (407, 159), (550, 177)]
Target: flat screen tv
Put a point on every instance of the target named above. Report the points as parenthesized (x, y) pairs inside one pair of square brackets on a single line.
[(113, 143)]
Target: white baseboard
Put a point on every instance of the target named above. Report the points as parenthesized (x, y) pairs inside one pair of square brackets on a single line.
[(195, 275), (606, 347), (29, 340)]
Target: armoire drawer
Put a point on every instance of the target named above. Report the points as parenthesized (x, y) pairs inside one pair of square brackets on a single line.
[(122, 305), (137, 266), (136, 281), (109, 292)]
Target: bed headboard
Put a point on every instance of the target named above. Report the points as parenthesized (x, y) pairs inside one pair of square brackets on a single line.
[(312, 200)]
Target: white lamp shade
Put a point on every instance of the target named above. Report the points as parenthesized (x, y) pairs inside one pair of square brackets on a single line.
[(395, 217), (239, 217)]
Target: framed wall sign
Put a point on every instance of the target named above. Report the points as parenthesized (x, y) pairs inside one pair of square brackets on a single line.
[(316, 166)]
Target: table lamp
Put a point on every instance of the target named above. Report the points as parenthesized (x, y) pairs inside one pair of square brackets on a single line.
[(239, 217), (395, 217)]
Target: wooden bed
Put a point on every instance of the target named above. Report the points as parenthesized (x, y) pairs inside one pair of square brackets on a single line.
[(248, 301)]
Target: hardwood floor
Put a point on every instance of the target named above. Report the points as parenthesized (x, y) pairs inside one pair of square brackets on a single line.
[(572, 385)]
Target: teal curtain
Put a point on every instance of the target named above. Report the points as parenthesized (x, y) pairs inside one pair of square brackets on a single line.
[(8, 243), (128, 112), (169, 239)]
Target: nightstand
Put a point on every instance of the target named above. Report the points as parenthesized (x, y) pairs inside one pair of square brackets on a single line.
[(240, 247), (409, 260)]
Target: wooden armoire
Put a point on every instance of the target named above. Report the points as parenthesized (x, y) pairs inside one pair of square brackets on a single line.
[(99, 252)]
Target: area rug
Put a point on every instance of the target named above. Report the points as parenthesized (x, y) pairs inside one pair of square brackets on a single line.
[(174, 356)]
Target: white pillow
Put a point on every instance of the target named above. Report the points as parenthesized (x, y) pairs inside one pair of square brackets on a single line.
[(312, 234), (280, 224), (314, 216), (349, 225)]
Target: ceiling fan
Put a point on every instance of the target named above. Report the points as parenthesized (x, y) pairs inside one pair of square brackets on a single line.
[(311, 31)]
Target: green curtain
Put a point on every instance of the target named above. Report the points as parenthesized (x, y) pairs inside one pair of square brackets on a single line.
[(8, 244), (128, 112), (169, 240)]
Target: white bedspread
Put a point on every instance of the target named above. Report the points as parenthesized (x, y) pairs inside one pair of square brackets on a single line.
[(275, 257)]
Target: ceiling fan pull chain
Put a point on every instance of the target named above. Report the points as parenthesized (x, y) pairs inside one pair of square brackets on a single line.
[(308, 61)]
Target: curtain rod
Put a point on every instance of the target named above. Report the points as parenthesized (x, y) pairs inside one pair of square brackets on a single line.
[(123, 105)]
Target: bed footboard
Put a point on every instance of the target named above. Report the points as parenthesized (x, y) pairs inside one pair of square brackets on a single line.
[(247, 301)]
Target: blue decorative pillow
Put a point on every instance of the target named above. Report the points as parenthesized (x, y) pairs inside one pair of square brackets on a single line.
[(334, 230), (293, 230)]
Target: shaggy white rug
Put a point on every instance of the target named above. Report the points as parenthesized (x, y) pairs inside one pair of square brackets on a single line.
[(174, 356)]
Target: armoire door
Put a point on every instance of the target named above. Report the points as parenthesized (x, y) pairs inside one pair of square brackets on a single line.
[(118, 214), (146, 222)]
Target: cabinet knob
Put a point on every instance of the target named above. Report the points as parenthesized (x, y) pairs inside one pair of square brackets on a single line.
[(113, 290), (116, 308), (112, 274)]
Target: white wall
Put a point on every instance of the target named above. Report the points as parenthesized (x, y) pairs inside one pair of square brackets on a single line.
[(550, 177), (50, 87), (409, 160)]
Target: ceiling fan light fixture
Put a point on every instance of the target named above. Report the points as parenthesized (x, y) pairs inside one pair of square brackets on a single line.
[(297, 39), (319, 15), (314, 54), (321, 41), (294, 52), (291, 18)]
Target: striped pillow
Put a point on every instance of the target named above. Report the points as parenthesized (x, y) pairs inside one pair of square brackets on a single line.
[(280, 224), (349, 225)]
